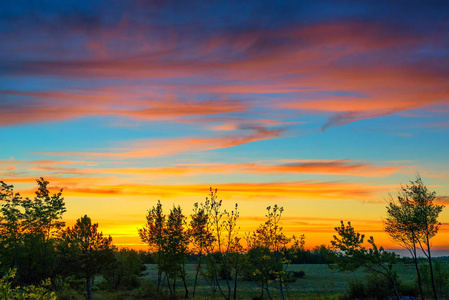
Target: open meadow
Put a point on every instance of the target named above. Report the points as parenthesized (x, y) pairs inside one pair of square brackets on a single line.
[(319, 282)]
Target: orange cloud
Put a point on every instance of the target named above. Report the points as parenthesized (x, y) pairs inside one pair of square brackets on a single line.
[(111, 186), (325, 167), (169, 147), (249, 191)]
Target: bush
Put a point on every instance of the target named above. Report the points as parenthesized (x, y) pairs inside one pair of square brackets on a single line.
[(291, 276), (441, 276), (356, 290), (27, 292), (126, 272), (374, 287), (409, 289), (299, 274)]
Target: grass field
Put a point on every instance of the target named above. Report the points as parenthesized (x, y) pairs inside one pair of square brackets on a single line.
[(320, 282)]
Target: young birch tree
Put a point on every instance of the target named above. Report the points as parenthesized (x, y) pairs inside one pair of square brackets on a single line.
[(222, 224), (153, 235), (201, 235), (265, 246), (412, 221)]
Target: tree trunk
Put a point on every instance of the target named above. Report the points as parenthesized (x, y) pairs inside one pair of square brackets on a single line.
[(435, 295), (415, 259), (396, 293), (186, 296), (235, 283), (281, 287), (268, 290), (174, 285), (169, 285), (159, 281), (225, 260), (196, 274), (89, 287)]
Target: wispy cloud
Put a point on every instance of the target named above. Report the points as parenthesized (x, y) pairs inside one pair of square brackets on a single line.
[(170, 147), (323, 167)]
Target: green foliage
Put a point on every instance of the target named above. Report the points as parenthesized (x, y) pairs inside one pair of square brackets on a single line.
[(349, 254), (85, 249), (223, 245), (441, 279), (266, 251), (29, 229), (85, 252), (152, 234), (126, 270), (376, 286), (175, 243), (168, 238), (306, 256), (199, 230), (412, 221), (30, 292), (201, 235), (373, 287)]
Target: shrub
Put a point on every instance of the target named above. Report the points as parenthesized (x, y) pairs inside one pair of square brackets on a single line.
[(373, 287), (28, 292), (126, 272), (299, 274), (441, 276)]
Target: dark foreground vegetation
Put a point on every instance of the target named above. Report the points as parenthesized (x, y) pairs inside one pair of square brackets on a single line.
[(204, 256)]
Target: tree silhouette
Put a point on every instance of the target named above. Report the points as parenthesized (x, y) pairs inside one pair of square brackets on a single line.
[(11, 229), (265, 246), (153, 235), (222, 224), (201, 236), (168, 238), (29, 230), (85, 251), (412, 221), (349, 254), (174, 248)]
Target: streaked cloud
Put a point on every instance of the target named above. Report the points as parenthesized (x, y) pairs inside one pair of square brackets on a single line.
[(169, 147)]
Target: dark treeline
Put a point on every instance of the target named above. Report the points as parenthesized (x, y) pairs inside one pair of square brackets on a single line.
[(42, 258)]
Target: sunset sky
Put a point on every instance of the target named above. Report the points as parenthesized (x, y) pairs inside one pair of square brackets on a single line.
[(322, 108)]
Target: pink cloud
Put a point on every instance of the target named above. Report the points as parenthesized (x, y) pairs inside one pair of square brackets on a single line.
[(366, 59)]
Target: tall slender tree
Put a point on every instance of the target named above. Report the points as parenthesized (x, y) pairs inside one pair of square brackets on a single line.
[(153, 235), (412, 221), (175, 247), (264, 248), (201, 236), (222, 224)]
